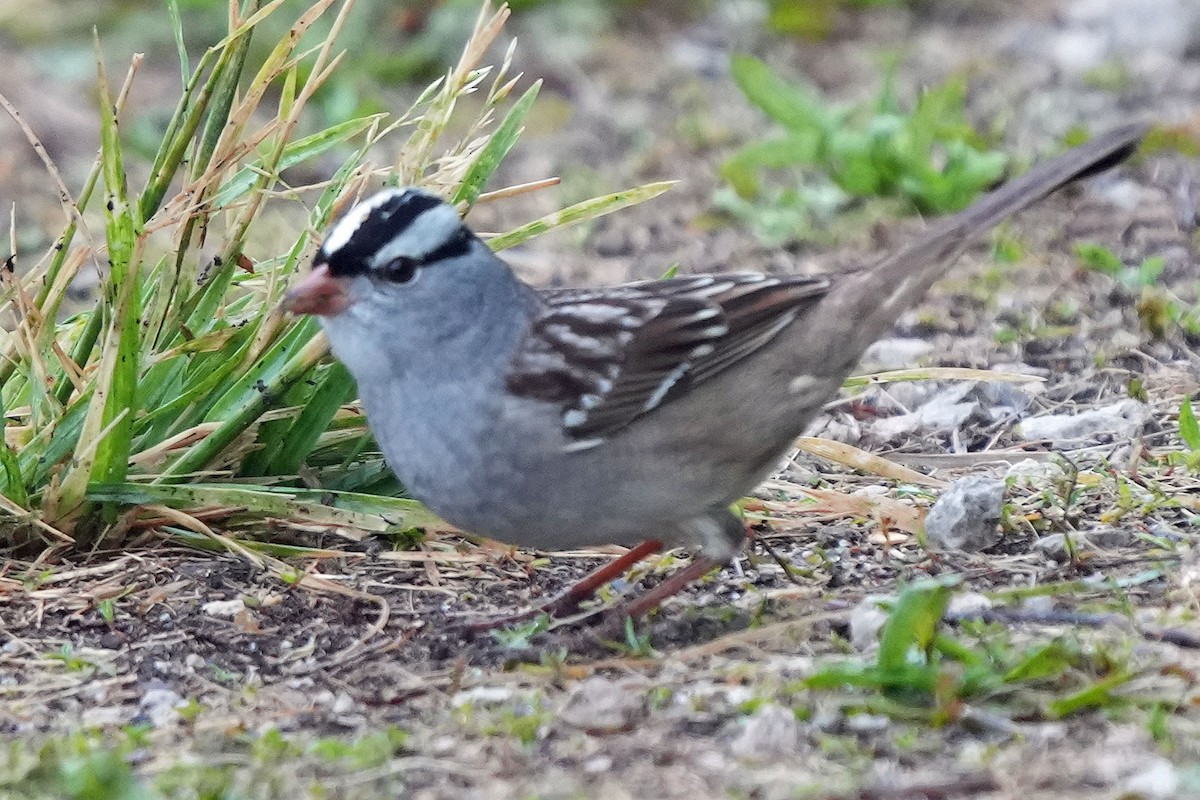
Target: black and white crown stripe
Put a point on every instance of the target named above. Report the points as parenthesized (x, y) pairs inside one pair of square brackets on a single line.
[(411, 225), (611, 355)]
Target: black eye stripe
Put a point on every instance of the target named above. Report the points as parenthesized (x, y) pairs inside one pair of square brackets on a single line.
[(456, 245), (384, 222), (404, 269)]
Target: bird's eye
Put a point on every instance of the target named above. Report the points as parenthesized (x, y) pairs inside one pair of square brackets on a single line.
[(401, 269)]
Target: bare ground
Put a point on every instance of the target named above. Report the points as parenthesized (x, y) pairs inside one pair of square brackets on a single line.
[(378, 663)]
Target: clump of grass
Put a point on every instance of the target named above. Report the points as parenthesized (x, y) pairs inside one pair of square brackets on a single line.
[(929, 158), (185, 398), (926, 670)]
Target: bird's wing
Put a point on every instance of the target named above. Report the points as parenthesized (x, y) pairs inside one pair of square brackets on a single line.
[(609, 356)]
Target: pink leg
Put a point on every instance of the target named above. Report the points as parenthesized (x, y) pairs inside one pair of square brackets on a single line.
[(569, 601), (652, 599)]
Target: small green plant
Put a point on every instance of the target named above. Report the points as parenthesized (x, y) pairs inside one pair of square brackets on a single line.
[(922, 665), (1160, 310), (521, 635), (814, 19), (930, 158), (71, 661), (1189, 434), (107, 609), (635, 645)]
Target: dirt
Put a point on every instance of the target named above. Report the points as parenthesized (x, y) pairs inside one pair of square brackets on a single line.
[(113, 639)]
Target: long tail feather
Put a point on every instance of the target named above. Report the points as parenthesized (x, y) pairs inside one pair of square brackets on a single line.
[(865, 305)]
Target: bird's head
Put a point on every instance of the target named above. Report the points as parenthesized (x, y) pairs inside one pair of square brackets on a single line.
[(380, 248)]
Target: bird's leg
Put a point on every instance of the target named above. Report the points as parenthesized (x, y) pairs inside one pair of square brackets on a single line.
[(652, 599), (722, 533), (568, 601)]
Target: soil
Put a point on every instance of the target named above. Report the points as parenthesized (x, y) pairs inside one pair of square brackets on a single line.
[(683, 706)]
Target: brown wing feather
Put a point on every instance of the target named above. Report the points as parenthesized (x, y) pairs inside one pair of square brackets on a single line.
[(609, 356)]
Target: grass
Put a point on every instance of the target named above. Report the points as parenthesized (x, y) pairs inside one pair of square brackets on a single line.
[(929, 158), (184, 398)]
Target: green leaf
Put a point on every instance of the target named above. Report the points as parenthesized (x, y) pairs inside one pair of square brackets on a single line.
[(912, 625), (1096, 695), (1189, 430), (107, 429), (364, 512), (498, 145), (741, 170), (180, 46), (1044, 661), (334, 388), (793, 106), (1099, 258)]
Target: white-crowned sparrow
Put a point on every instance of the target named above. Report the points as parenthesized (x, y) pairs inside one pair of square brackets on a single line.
[(631, 415)]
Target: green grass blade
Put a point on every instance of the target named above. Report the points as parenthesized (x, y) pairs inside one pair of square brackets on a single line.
[(13, 484), (912, 624), (334, 389), (264, 370), (222, 99), (501, 142), (1189, 429), (180, 47), (792, 105), (580, 212), (109, 422), (199, 456), (294, 153), (184, 123)]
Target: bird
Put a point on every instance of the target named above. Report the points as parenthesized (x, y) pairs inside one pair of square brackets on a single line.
[(633, 415)]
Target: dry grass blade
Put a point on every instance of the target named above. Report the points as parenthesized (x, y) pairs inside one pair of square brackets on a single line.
[(940, 374), (855, 458)]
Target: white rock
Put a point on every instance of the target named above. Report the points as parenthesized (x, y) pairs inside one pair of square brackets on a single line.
[(867, 723), (1158, 779), (343, 703), (866, 619), (224, 608), (597, 764), (1030, 473), (600, 705), (484, 695), (160, 706), (894, 353), (1123, 420), (968, 604), (104, 716), (770, 733), (1054, 545), (966, 514), (1131, 28)]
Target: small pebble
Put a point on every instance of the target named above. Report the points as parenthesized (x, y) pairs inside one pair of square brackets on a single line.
[(224, 608), (770, 733), (600, 705), (866, 619), (965, 517)]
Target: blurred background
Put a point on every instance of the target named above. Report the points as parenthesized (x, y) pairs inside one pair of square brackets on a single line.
[(640, 91)]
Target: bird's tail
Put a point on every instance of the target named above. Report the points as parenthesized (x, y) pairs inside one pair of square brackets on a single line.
[(863, 307)]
